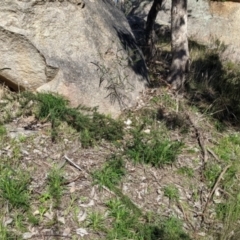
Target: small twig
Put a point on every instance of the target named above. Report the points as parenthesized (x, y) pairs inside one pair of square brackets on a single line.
[(166, 83), (185, 215), (199, 139), (36, 191), (108, 190), (213, 154), (214, 189), (225, 192), (47, 164), (72, 163), (177, 104), (45, 119), (50, 235), (158, 180), (80, 169), (73, 180), (201, 145)]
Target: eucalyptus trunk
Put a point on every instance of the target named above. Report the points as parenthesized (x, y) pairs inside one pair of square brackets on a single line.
[(150, 48), (180, 51)]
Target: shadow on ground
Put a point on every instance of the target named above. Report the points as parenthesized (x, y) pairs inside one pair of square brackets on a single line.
[(212, 85)]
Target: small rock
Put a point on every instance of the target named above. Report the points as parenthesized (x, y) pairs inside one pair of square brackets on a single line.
[(128, 122), (147, 131)]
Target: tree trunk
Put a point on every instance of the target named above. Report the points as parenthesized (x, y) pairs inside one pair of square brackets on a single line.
[(150, 49), (180, 52)]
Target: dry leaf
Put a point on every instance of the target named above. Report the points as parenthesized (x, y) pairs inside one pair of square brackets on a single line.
[(82, 232), (91, 203), (27, 235), (8, 221), (49, 215), (82, 216), (66, 231), (61, 220)]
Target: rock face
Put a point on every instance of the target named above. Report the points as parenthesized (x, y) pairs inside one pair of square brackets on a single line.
[(83, 50), (207, 21)]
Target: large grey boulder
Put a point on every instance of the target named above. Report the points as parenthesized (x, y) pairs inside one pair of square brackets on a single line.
[(208, 21), (83, 50)]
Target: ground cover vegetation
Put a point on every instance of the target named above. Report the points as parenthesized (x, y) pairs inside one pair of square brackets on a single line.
[(166, 169)]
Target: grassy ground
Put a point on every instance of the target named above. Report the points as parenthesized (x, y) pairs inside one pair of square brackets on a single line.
[(167, 169)]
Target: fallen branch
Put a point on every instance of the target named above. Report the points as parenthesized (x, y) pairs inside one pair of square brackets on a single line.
[(214, 189), (72, 163), (73, 180), (80, 169), (214, 155), (158, 180), (200, 140), (185, 215), (109, 191), (45, 119), (226, 193)]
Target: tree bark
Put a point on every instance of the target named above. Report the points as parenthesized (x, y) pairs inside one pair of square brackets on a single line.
[(180, 52), (150, 49)]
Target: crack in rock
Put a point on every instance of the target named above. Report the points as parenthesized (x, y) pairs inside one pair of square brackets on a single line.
[(26, 67), (79, 3)]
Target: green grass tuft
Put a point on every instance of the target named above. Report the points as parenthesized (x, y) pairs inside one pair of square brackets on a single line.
[(3, 131), (171, 192), (213, 85), (111, 174), (124, 221), (92, 125), (151, 149), (127, 225), (55, 185), (228, 148), (187, 171), (211, 173), (96, 221), (14, 188), (172, 229), (229, 213), (4, 233)]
